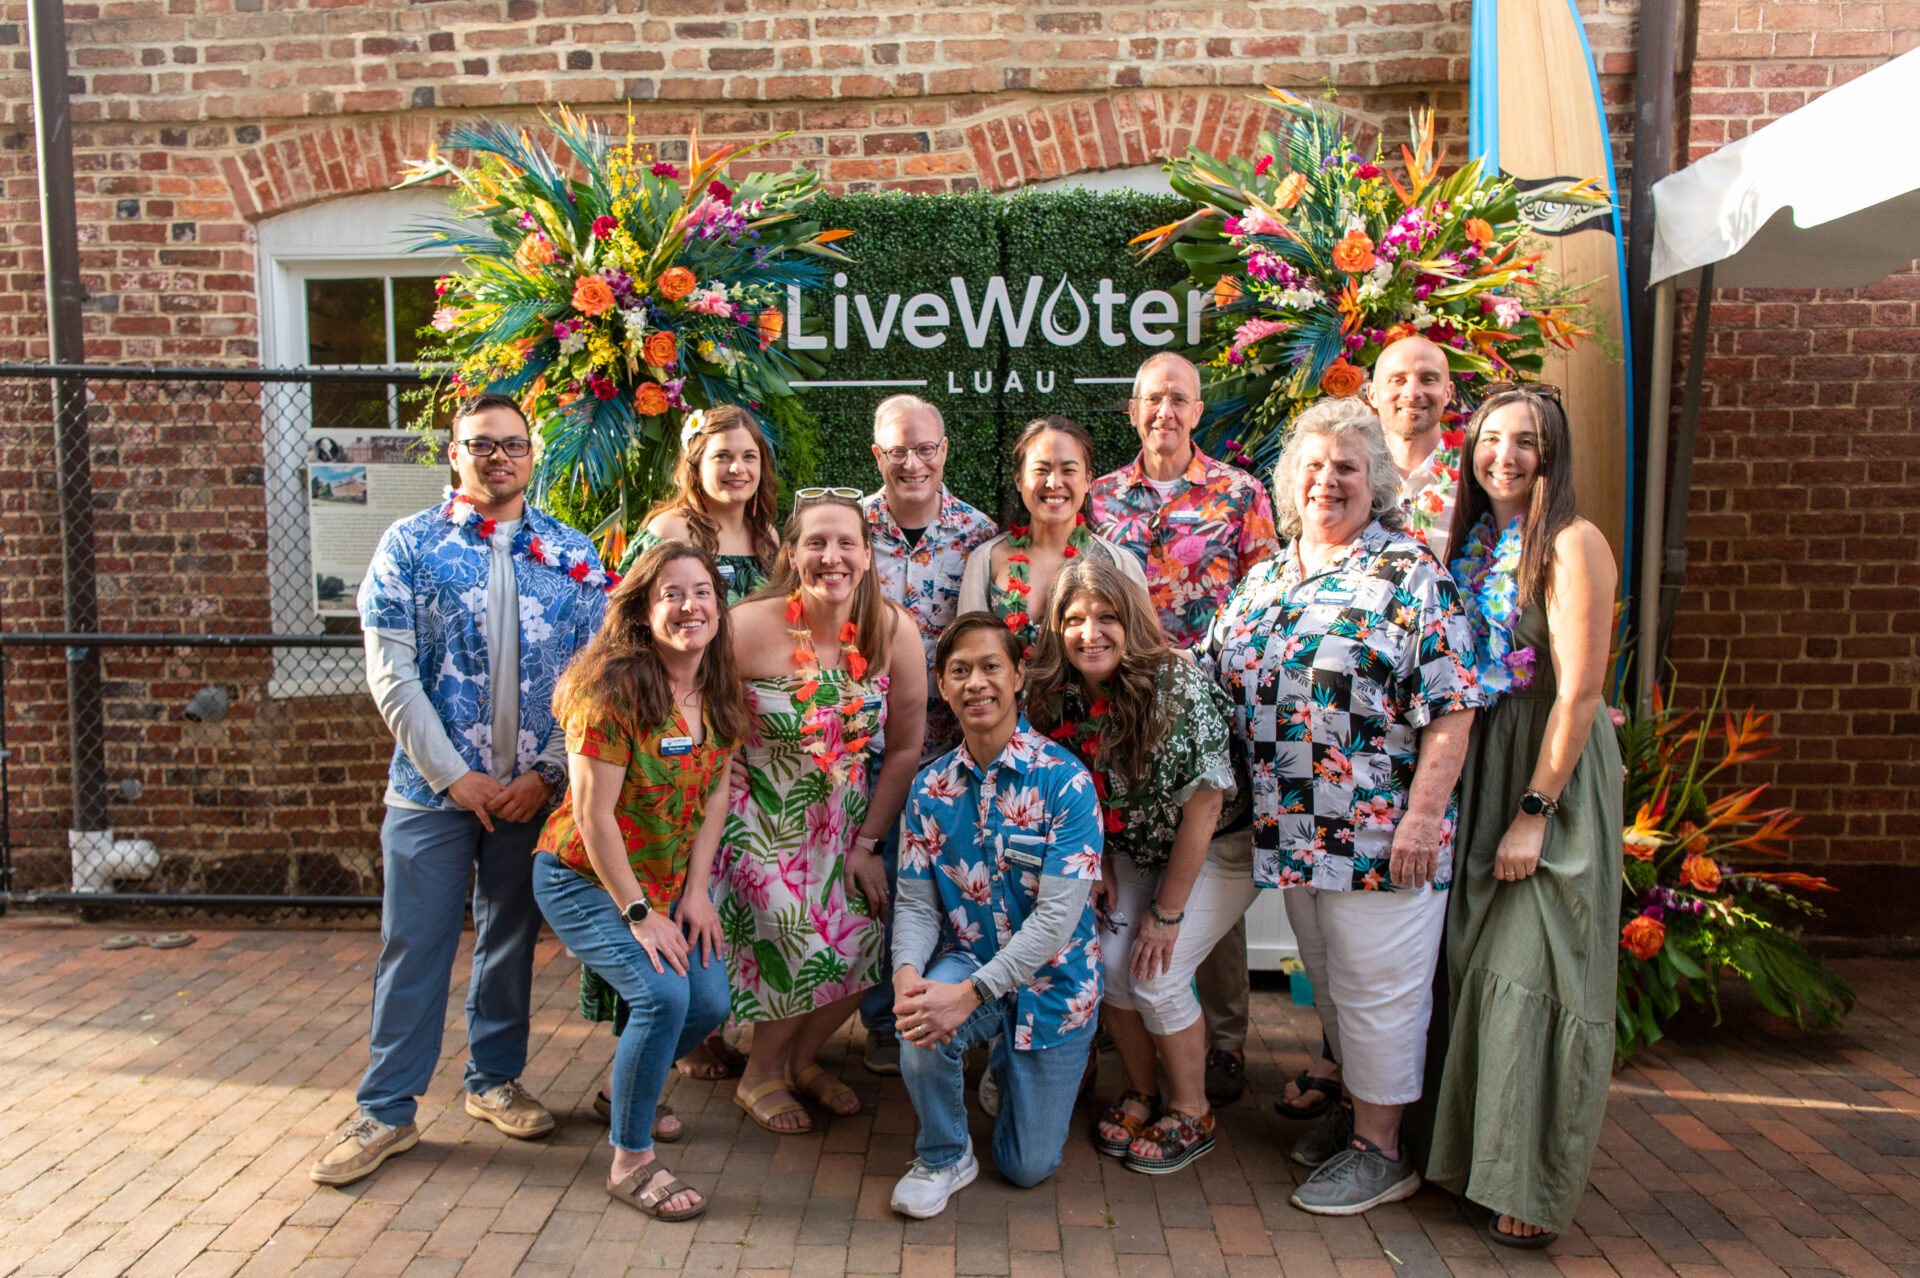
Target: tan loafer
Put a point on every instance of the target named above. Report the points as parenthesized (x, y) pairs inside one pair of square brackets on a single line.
[(360, 1145), (512, 1109)]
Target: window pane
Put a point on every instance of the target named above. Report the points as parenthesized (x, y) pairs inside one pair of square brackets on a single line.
[(346, 322), (413, 303)]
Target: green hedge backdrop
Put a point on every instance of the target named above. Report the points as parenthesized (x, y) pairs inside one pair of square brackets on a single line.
[(910, 244)]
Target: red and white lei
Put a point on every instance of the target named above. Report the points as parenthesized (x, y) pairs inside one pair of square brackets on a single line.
[(460, 513)]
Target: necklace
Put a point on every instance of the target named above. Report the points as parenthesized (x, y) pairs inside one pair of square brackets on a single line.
[(460, 513), (1487, 571), (1019, 563), (838, 732), (1084, 737)]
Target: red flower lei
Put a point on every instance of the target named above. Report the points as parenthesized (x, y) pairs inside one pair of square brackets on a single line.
[(1019, 541), (856, 723), (460, 512), (1083, 738)]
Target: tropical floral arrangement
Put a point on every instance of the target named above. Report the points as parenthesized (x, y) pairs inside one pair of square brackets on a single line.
[(615, 295), (1687, 913), (1318, 256)]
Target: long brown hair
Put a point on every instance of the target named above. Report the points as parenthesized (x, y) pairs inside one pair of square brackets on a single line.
[(873, 614), (1551, 505), (689, 500), (620, 672), (1138, 728)]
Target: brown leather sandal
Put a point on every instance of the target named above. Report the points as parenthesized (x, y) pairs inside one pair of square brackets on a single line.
[(750, 1103), (633, 1191), (712, 1060), (825, 1089), (1116, 1116), (662, 1113)]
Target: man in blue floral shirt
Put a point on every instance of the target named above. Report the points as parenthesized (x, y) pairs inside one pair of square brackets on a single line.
[(994, 928), (471, 611), (922, 535)]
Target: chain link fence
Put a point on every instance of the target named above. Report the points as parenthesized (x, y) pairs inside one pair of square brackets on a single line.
[(185, 717)]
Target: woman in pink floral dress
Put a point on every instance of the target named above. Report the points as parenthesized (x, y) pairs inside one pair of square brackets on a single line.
[(803, 887)]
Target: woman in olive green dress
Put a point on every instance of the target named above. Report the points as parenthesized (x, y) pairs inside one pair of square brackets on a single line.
[(724, 499), (1532, 946)]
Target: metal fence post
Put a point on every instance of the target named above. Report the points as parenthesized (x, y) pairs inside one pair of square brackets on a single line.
[(53, 138)]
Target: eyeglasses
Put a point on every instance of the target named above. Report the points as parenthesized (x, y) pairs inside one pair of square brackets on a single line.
[(485, 447), (814, 494), (1153, 402), (1544, 390), (925, 452)]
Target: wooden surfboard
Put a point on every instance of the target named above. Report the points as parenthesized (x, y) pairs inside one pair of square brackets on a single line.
[(1535, 114)]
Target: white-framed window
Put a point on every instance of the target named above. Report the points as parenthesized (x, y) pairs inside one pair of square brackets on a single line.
[(337, 289)]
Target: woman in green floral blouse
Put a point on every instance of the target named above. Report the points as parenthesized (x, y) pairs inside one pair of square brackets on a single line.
[(1152, 730)]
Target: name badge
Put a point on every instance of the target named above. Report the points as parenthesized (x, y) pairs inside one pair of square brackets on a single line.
[(676, 745), (1183, 517), (727, 571), (1333, 595), (870, 702)]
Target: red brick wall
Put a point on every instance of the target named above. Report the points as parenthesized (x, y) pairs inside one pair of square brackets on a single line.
[(1804, 534)]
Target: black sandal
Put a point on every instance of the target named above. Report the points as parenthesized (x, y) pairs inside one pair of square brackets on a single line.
[(1181, 1138), (1532, 1242), (1330, 1094), (1117, 1146), (1226, 1077)]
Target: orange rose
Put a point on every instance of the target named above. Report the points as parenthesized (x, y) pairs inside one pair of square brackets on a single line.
[(676, 282), (1643, 936), (591, 296), (773, 322), (534, 252), (1395, 333), (659, 349), (1479, 231), (1342, 379), (650, 399), (1701, 873), (1290, 191), (1226, 291), (1689, 837), (1354, 254)]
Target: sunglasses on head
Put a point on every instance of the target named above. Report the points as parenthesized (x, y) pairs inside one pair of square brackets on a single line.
[(814, 494), (1545, 390)]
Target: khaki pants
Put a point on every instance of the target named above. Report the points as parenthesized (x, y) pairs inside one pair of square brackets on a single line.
[(1222, 979)]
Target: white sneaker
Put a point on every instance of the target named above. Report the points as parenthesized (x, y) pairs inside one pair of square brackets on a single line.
[(989, 1094), (923, 1192)]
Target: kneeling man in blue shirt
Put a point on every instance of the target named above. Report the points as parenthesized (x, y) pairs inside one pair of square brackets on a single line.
[(994, 935)]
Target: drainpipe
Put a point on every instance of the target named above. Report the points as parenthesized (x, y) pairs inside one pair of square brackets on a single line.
[(60, 241)]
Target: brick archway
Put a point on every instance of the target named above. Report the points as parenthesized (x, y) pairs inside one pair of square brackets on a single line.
[(1110, 131), (299, 164)]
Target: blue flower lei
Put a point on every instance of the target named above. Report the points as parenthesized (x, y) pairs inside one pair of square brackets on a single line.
[(1488, 577)]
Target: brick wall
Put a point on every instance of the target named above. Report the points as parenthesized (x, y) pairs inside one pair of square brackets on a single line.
[(1804, 535)]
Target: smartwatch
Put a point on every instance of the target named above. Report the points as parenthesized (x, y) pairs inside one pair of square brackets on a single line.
[(1534, 803), (636, 910), (980, 990)]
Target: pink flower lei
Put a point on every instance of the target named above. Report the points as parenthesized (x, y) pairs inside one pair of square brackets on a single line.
[(460, 513)]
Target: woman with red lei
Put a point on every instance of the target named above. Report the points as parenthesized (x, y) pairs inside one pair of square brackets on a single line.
[(1152, 730), (803, 887), (1012, 575)]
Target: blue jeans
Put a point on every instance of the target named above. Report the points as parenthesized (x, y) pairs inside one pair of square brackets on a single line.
[(1037, 1089), (670, 1014), (427, 858), (876, 1008)]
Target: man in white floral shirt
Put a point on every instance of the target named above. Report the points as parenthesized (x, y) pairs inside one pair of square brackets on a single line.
[(1410, 390), (922, 535)]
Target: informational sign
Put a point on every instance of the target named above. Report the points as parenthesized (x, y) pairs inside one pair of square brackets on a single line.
[(357, 486)]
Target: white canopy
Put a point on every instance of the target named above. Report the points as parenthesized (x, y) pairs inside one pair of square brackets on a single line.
[(1827, 197)]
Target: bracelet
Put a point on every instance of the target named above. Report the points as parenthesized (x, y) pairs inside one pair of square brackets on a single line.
[(1153, 908)]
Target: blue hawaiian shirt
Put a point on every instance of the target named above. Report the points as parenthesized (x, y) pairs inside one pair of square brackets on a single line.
[(429, 576), (985, 836), (924, 578)]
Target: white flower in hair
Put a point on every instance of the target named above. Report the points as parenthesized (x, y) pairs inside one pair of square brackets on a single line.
[(691, 425)]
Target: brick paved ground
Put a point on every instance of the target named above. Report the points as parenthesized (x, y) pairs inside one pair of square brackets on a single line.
[(158, 1111)]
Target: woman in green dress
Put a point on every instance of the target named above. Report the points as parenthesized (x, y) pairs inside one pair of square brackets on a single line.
[(827, 661), (1532, 946), (723, 501)]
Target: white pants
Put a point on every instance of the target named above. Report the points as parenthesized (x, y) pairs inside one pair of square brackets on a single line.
[(1221, 894), (1371, 957)]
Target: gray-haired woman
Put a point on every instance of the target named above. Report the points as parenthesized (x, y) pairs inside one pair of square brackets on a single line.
[(1347, 663)]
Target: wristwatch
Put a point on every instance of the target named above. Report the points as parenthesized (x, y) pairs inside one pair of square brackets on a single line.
[(552, 773), (1534, 803), (980, 990), (636, 910)]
